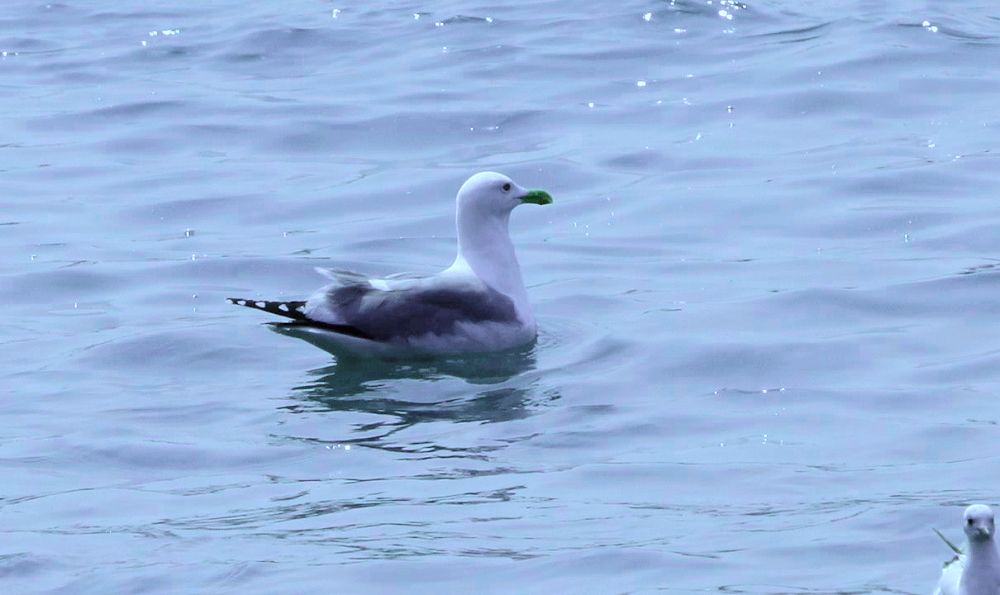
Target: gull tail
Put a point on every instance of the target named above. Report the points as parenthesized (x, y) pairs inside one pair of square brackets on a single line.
[(296, 311), (293, 310)]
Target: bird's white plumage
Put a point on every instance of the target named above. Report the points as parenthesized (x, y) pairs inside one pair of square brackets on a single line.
[(976, 571), (477, 304)]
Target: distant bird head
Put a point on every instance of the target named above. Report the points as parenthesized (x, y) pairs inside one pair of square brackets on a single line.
[(490, 192), (979, 522)]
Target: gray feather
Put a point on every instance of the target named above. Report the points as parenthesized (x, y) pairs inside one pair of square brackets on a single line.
[(418, 310)]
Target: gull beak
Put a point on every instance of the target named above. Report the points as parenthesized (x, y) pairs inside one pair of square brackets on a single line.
[(537, 197)]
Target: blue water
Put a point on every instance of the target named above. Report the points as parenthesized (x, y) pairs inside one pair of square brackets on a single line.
[(767, 294)]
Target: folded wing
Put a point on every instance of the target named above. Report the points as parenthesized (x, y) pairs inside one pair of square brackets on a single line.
[(399, 309)]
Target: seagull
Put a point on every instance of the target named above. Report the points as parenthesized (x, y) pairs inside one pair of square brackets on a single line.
[(478, 304), (978, 572)]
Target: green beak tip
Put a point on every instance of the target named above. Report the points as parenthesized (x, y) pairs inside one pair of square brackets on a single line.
[(537, 197)]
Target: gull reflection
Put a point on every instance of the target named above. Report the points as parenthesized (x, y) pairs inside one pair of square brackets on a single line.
[(490, 388)]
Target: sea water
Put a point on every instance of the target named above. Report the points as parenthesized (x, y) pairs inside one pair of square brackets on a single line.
[(767, 295)]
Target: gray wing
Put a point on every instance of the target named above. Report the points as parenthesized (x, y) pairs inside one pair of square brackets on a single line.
[(426, 306)]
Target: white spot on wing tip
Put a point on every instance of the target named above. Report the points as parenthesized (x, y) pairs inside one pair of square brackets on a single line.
[(283, 307), (260, 304)]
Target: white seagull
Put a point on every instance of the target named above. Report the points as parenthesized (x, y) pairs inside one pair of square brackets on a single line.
[(978, 571), (478, 304)]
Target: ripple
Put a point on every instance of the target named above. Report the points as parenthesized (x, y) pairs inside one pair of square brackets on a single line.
[(766, 285)]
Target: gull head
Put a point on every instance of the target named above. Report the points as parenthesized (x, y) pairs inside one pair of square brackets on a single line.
[(979, 522), (492, 193)]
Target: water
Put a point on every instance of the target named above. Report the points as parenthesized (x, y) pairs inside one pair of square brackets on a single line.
[(767, 295)]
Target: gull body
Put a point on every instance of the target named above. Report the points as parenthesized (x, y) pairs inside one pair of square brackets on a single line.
[(976, 571), (477, 304)]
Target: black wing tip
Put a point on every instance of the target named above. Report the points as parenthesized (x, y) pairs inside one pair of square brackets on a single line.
[(340, 329), (294, 310)]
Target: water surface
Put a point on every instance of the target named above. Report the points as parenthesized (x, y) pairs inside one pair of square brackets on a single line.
[(767, 295)]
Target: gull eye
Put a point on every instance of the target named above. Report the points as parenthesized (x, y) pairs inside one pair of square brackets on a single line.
[(970, 522), (506, 187)]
